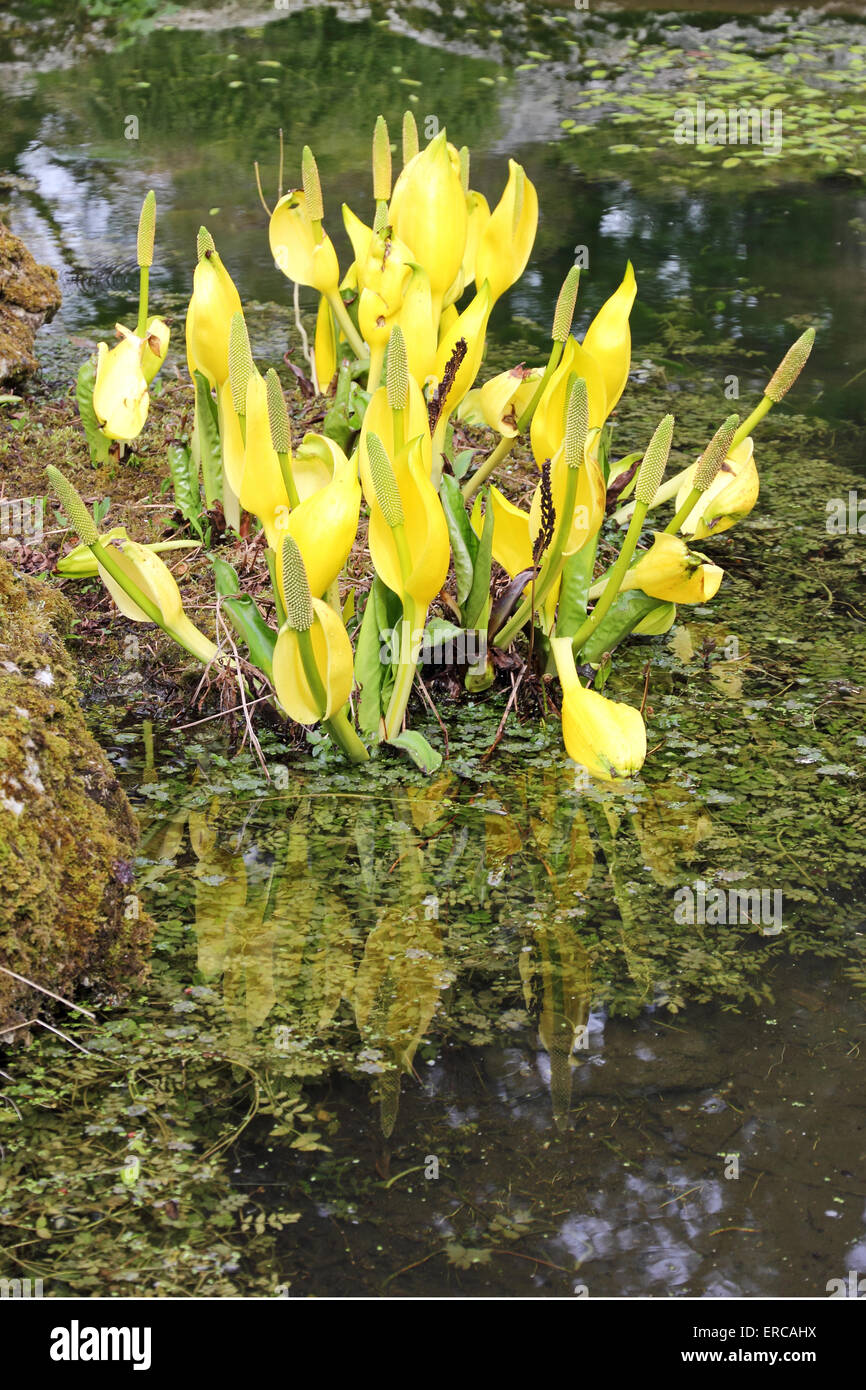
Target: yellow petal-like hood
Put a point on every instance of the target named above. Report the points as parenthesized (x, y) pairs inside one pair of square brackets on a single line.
[(608, 338), (262, 490), (426, 530), (731, 495), (333, 656), (669, 570), (120, 397), (428, 212), (508, 237), (606, 737), (214, 302), (324, 526), (296, 250)]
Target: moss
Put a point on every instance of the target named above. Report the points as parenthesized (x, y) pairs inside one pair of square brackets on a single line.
[(67, 832), (29, 295)]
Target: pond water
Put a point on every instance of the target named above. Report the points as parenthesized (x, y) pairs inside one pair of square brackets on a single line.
[(485, 1035)]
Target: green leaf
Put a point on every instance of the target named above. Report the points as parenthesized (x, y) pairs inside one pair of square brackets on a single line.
[(225, 577), (419, 750), (574, 588), (479, 594), (251, 627), (464, 542), (626, 612), (461, 463), (382, 614), (96, 441), (206, 447), (184, 477)]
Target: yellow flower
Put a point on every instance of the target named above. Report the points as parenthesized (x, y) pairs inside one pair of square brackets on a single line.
[(669, 570), (156, 581), (731, 495), (507, 239), (214, 301), (424, 527), (325, 349), (302, 250), (547, 431), (428, 212), (419, 328), (502, 400), (332, 652), (608, 339), (379, 419), (478, 214), (155, 347), (512, 544), (589, 501), (80, 563), (604, 736), (262, 490), (471, 326), (120, 397), (324, 526)]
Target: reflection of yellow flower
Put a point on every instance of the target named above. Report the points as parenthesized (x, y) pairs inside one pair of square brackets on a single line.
[(670, 823)]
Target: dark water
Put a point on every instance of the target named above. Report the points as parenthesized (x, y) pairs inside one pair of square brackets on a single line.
[(489, 1057)]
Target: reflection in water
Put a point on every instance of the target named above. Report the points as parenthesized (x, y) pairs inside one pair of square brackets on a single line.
[(355, 929)]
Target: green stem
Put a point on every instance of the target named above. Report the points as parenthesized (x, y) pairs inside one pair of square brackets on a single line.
[(551, 567), (143, 291), (399, 419), (505, 445), (311, 671), (339, 728), (757, 415), (685, 510), (405, 672), (104, 557), (341, 313), (615, 577), (289, 480)]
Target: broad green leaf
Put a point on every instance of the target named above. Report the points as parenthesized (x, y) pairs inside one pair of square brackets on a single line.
[(97, 443), (464, 542), (251, 627), (419, 750), (225, 577), (627, 610), (206, 447), (479, 594), (574, 588)]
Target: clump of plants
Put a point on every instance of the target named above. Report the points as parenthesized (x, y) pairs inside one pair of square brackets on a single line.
[(399, 344)]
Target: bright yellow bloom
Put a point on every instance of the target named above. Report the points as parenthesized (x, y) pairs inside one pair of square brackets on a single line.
[(379, 419), (608, 338), (155, 347), (589, 501), (80, 562), (502, 400), (669, 570), (471, 326), (325, 349), (214, 301), (424, 525), (604, 736), (512, 543), (419, 329), (120, 397), (156, 581), (478, 212), (301, 249), (324, 525), (731, 495), (428, 212), (547, 431), (508, 237), (333, 656), (262, 490)]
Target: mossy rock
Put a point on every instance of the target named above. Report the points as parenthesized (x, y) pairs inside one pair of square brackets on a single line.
[(67, 832), (29, 297)]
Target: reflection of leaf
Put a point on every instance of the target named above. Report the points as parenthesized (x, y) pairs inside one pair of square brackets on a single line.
[(561, 965), (397, 989), (670, 825)]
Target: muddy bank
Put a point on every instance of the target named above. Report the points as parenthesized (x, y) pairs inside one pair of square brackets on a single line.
[(67, 832)]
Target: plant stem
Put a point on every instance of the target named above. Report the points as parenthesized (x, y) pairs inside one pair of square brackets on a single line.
[(311, 671), (289, 480), (339, 728), (551, 567), (405, 672), (377, 360), (341, 313), (685, 510), (615, 577), (506, 444), (143, 291)]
